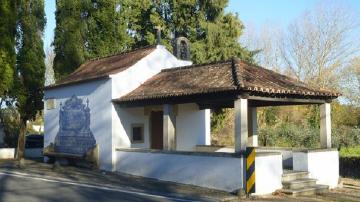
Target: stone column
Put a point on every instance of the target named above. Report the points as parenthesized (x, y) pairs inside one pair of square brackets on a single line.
[(253, 127), (325, 125), (241, 124), (169, 127)]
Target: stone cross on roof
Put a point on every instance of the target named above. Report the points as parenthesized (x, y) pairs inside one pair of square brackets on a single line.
[(158, 34)]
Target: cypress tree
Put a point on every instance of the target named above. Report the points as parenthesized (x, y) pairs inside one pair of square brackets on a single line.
[(7, 45), (30, 69), (69, 43), (86, 29)]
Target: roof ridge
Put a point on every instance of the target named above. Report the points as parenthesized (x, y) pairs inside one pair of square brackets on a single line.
[(119, 53), (195, 65), (238, 82)]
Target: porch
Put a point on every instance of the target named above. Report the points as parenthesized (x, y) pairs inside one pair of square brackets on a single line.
[(237, 85)]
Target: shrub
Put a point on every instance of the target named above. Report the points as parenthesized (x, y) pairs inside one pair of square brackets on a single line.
[(11, 123), (345, 136), (287, 134)]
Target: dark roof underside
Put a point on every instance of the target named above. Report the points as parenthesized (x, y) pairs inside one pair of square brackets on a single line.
[(230, 77), (103, 67)]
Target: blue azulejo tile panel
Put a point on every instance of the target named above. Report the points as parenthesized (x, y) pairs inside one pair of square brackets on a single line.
[(74, 135)]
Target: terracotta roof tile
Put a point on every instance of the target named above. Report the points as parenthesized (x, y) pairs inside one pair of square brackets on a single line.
[(103, 67), (233, 75)]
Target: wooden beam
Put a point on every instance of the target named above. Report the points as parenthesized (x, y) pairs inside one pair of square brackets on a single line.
[(288, 100)]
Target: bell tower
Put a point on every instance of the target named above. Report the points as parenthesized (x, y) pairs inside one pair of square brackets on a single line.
[(182, 48)]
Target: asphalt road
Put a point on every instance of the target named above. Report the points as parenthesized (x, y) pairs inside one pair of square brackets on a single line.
[(26, 188)]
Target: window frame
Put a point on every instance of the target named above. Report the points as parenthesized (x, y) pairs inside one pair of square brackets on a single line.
[(135, 125)]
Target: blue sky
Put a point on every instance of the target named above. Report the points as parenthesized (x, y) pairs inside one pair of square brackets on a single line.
[(255, 12)]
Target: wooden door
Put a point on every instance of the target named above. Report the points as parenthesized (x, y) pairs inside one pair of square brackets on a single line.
[(156, 130)]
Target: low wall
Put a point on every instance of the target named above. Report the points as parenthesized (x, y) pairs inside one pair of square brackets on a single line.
[(268, 170), (221, 172), (7, 153), (322, 164), (211, 148), (287, 154), (287, 157)]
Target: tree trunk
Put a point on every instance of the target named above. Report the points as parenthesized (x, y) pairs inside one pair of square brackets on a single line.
[(21, 141)]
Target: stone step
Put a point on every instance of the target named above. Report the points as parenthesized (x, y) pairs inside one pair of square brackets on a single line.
[(299, 183), (306, 191), (290, 175)]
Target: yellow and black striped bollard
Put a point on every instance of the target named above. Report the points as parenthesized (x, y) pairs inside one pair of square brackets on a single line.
[(250, 170)]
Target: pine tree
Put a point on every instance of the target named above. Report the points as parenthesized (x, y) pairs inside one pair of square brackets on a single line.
[(30, 69), (7, 45)]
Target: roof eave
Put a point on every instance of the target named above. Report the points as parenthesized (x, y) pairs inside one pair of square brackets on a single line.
[(75, 82)]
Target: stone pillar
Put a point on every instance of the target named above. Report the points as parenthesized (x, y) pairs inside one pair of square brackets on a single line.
[(253, 127), (325, 125), (241, 124), (169, 127)]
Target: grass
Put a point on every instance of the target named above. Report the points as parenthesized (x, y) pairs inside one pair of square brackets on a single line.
[(350, 152)]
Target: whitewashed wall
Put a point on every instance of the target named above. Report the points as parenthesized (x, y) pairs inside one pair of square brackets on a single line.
[(109, 125), (99, 95), (268, 173), (129, 116), (127, 81), (221, 173), (7, 153), (192, 127), (321, 165)]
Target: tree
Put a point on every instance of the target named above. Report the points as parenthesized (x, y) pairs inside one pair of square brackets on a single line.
[(316, 48), (350, 82), (318, 45), (86, 29), (213, 34), (30, 67), (7, 46), (266, 43)]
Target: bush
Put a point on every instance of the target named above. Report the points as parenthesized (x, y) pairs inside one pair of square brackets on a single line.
[(11, 123), (345, 136), (350, 152), (288, 135)]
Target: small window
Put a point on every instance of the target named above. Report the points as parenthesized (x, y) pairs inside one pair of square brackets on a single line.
[(137, 133)]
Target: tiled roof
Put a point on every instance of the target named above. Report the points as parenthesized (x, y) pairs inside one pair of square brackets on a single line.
[(233, 75), (103, 67)]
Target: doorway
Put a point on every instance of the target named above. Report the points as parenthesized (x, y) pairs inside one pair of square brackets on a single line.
[(156, 122)]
